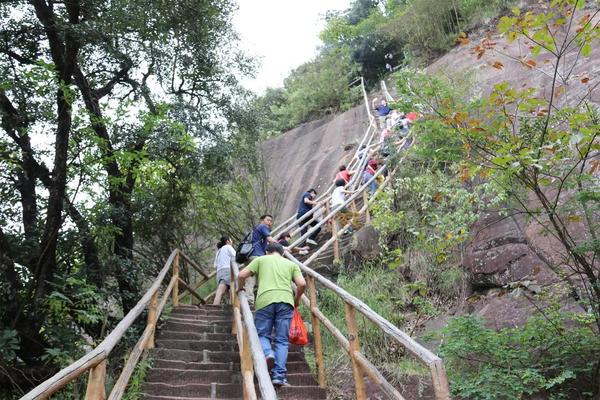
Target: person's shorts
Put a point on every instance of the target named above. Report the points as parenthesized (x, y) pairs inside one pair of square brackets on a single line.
[(224, 276)]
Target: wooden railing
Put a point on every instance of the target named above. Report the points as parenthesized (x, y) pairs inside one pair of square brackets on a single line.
[(95, 362), (361, 366)]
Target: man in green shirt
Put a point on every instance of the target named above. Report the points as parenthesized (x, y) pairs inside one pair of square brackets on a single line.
[(275, 302)]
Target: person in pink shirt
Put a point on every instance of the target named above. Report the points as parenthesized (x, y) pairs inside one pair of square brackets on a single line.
[(344, 174)]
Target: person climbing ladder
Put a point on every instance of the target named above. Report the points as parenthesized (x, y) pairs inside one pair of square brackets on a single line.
[(306, 204)]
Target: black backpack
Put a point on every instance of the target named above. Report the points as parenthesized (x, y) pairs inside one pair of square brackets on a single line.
[(244, 249)]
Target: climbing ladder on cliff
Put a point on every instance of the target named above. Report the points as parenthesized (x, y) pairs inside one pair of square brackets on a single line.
[(208, 352)]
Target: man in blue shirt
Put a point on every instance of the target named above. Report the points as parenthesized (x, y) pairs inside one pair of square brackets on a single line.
[(261, 237), (306, 204), (382, 111)]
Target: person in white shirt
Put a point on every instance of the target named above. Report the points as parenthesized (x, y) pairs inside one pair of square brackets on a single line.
[(225, 254), (338, 197)]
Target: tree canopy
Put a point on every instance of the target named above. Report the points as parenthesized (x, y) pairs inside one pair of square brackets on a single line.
[(110, 112)]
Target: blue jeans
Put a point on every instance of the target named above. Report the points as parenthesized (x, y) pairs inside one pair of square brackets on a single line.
[(372, 185), (278, 315)]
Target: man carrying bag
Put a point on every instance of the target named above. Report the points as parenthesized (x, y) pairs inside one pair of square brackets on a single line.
[(274, 305)]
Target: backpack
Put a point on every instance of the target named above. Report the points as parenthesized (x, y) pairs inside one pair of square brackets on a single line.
[(244, 249)]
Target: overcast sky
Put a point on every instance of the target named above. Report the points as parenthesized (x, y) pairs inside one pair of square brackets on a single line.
[(283, 33)]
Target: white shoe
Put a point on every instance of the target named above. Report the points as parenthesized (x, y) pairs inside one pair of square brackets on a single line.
[(310, 241), (303, 252)]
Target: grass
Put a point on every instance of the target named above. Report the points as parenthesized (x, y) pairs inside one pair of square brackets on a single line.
[(134, 389)]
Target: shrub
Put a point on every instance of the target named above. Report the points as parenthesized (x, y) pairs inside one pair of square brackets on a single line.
[(546, 355)]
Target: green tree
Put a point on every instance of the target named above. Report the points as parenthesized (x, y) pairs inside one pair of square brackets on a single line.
[(106, 112), (313, 90)]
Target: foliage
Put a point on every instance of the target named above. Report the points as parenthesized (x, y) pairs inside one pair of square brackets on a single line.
[(134, 389), (546, 355), (362, 40), (314, 89), (526, 152), (363, 28), (111, 114), (431, 212), (530, 146), (9, 343), (420, 28)]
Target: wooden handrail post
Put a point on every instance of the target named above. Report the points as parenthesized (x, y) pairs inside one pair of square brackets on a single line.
[(312, 289), (152, 318), (175, 293), (195, 300), (336, 242), (440, 380), (353, 207), (235, 301), (366, 201), (247, 370), (232, 287), (359, 375), (96, 389)]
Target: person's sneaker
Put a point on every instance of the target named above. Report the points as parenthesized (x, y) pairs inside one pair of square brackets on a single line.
[(303, 252), (270, 362), (280, 382), (310, 241)]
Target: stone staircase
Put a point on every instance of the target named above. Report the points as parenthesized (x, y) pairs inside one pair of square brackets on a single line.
[(196, 357)]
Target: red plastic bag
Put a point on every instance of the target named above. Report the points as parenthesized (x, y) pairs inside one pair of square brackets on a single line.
[(298, 333)]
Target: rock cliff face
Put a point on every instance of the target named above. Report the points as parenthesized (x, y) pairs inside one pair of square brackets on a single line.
[(309, 155), (505, 272)]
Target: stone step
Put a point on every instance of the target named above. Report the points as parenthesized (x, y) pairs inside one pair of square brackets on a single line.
[(194, 390), (203, 307), (195, 366), (204, 310), (200, 321), (193, 327), (150, 397), (209, 356), (301, 393), (205, 356), (222, 391), (192, 335), (292, 366), (196, 345), (202, 317), (301, 379), (195, 342), (182, 376), (200, 313)]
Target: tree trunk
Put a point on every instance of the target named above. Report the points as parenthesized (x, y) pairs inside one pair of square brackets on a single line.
[(119, 198)]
